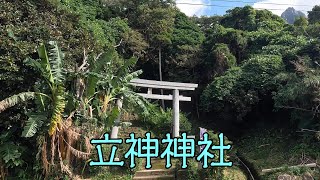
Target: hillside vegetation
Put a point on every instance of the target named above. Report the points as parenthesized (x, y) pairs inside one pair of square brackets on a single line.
[(65, 63)]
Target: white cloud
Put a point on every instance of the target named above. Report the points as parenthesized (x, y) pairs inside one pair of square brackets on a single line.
[(276, 7), (191, 10)]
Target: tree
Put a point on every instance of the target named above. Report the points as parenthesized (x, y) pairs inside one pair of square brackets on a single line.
[(30, 17), (240, 88), (298, 92), (222, 58), (313, 15), (236, 40), (247, 18), (313, 30), (206, 22), (240, 18), (106, 31), (267, 21), (183, 53), (157, 26), (301, 21)]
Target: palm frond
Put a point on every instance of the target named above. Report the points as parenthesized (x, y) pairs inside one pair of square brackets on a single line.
[(16, 99), (73, 134), (34, 64)]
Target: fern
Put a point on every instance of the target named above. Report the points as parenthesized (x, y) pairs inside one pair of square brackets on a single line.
[(16, 99), (34, 122)]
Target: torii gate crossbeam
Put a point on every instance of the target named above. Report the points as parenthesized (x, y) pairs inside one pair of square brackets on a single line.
[(176, 98)]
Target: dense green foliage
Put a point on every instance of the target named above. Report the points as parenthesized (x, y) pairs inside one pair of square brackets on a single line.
[(275, 66), (240, 87), (313, 15), (159, 121), (24, 24)]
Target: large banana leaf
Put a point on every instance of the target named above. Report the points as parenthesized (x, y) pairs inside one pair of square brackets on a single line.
[(55, 60), (45, 65), (15, 99), (104, 62), (92, 82), (34, 122)]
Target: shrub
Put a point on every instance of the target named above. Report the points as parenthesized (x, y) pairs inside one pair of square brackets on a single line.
[(159, 121), (193, 172)]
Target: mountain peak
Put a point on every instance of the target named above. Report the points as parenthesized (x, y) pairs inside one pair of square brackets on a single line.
[(290, 15)]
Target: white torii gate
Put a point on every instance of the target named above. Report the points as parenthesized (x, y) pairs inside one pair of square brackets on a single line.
[(175, 87)]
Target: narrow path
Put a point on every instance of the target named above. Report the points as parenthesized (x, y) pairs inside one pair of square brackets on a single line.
[(155, 174), (158, 171)]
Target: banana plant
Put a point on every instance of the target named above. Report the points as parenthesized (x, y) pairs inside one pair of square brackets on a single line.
[(51, 100), (50, 67), (106, 80), (102, 81)]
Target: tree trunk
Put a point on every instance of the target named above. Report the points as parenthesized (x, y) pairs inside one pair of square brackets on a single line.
[(160, 75), (115, 128)]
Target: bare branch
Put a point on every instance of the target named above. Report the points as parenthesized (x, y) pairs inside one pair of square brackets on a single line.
[(118, 44), (248, 169), (296, 108), (309, 130), (99, 55), (84, 64), (77, 153)]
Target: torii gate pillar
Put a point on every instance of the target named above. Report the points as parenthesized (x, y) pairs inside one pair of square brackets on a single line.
[(176, 113)]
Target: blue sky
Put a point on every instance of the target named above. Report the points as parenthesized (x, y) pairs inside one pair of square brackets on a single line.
[(220, 6)]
